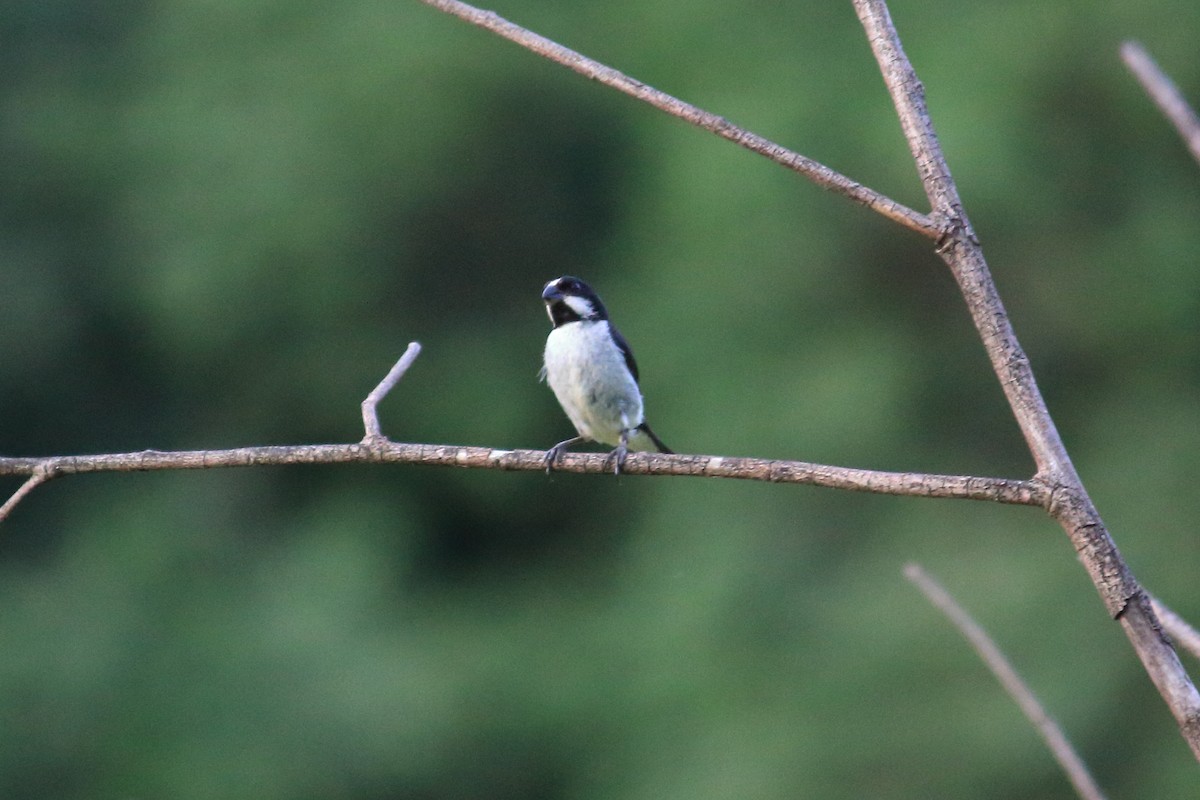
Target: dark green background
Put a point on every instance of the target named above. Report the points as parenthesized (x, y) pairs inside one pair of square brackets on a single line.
[(221, 222)]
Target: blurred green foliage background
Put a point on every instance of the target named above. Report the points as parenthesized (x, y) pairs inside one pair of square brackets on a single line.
[(222, 221)]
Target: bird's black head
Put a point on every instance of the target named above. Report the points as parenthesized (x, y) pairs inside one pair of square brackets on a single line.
[(569, 299)]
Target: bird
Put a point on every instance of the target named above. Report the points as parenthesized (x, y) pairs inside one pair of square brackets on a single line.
[(592, 372)]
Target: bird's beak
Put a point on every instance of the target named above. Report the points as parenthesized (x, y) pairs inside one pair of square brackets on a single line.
[(551, 292)]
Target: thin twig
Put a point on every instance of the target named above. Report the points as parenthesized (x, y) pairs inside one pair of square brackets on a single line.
[(370, 405), (1047, 728), (1070, 504), (1164, 93), (813, 170), (37, 477), (1177, 627)]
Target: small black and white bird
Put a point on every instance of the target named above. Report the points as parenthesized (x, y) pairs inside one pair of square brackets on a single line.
[(591, 369)]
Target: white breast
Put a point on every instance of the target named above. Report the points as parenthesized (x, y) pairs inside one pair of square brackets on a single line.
[(589, 377)]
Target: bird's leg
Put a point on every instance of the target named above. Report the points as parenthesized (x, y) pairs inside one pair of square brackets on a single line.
[(620, 453), (555, 453)]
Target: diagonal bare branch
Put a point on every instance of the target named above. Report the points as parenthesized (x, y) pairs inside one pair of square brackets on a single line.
[(1165, 94), (1178, 628), (1070, 504), (991, 655), (37, 476), (1056, 487), (960, 248), (370, 405), (816, 172)]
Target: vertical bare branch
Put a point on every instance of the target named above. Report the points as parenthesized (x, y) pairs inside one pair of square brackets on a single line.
[(1165, 94), (1047, 728), (960, 248), (1070, 504)]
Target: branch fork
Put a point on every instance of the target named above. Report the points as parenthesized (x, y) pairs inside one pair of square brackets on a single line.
[(1056, 487)]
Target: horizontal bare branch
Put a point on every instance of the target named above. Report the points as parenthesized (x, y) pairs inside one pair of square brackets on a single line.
[(376, 448), (815, 171), (1001, 490)]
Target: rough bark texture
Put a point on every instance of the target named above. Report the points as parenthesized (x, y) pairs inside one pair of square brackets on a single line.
[(1069, 502), (385, 451)]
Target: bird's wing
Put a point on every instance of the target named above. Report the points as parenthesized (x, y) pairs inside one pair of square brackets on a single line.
[(623, 346)]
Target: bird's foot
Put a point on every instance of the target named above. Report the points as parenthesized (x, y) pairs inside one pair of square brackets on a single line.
[(552, 457), (619, 454), (554, 454)]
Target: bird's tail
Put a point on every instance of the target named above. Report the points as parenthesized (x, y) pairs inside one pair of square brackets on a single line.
[(662, 448)]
